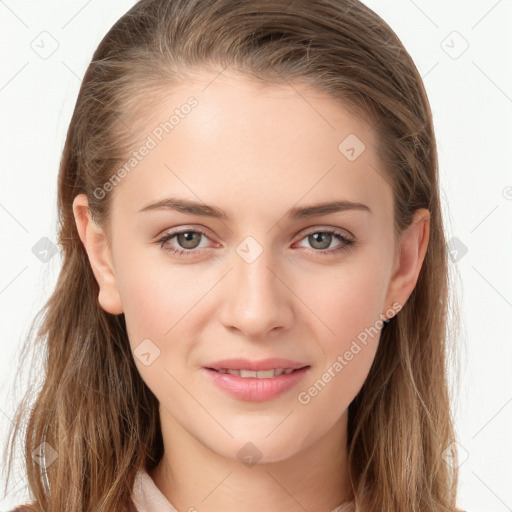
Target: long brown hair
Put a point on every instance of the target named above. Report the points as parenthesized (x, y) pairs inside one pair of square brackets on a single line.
[(93, 410)]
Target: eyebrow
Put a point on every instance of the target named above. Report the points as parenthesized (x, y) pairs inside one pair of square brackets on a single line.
[(303, 212)]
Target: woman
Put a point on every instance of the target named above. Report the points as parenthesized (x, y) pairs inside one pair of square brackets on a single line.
[(252, 309)]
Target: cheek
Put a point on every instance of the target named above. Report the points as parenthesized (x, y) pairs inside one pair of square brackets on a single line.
[(158, 296), (346, 307), (346, 300), (162, 306)]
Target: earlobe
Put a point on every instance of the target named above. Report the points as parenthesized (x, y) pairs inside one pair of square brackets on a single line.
[(413, 247), (94, 240)]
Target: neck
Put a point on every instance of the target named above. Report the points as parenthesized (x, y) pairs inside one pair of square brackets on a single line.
[(191, 476)]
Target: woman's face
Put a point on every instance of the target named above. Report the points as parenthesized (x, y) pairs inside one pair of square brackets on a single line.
[(273, 276)]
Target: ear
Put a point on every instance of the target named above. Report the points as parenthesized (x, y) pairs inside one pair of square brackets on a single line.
[(100, 258), (408, 262)]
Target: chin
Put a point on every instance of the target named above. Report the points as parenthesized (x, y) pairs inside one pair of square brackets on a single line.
[(253, 449)]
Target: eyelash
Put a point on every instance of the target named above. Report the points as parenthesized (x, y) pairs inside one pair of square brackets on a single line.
[(184, 253)]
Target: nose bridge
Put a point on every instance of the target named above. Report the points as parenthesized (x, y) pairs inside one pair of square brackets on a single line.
[(256, 301)]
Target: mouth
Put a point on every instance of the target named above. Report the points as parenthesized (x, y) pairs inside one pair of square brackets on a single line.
[(257, 374)]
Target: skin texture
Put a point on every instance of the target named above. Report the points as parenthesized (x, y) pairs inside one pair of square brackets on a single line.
[(255, 151)]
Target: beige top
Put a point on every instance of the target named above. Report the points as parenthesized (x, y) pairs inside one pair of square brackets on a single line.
[(148, 498)]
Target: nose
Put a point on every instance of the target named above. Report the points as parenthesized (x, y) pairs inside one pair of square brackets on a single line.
[(258, 299)]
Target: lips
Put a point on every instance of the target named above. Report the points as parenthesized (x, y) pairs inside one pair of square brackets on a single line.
[(254, 380)]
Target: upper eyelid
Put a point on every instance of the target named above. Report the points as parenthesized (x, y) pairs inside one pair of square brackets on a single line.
[(322, 229)]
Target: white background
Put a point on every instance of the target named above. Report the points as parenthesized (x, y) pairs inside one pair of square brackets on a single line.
[(471, 96)]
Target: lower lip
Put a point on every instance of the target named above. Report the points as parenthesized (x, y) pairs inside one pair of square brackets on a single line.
[(253, 389)]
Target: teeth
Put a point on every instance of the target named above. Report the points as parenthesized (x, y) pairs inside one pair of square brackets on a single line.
[(261, 374)]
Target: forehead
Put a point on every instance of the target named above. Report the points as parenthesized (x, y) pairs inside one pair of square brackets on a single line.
[(229, 140)]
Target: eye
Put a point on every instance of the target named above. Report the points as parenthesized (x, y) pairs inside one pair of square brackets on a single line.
[(321, 240), (188, 239)]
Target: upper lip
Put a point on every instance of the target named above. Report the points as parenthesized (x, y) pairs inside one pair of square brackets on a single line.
[(255, 365)]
